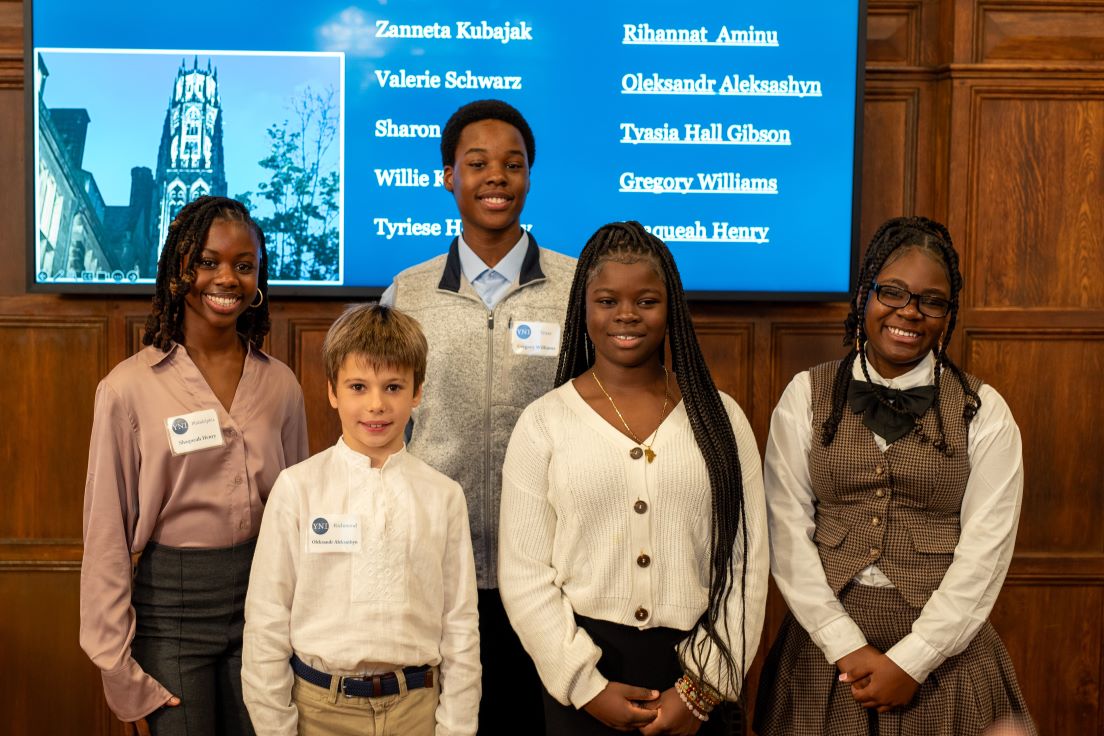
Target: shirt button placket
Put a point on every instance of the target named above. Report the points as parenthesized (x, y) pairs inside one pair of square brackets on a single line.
[(239, 496)]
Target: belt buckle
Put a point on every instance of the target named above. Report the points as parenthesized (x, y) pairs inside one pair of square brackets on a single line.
[(376, 680), (341, 686)]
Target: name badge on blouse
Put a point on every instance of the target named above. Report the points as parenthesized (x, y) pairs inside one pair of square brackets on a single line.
[(535, 338), (196, 431), (334, 533)]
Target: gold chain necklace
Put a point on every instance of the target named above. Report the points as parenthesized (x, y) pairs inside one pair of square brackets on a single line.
[(648, 452)]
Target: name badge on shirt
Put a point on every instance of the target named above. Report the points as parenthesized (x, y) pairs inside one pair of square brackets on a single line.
[(334, 533), (196, 431), (535, 338)]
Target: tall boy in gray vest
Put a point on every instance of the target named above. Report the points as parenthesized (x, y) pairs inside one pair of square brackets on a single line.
[(492, 309)]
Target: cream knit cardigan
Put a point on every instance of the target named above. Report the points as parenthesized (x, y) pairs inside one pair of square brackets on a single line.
[(572, 532)]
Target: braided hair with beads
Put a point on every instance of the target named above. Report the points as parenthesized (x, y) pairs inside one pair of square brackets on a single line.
[(892, 240), (629, 242), (176, 272)]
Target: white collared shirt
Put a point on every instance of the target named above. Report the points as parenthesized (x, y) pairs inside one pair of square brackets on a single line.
[(989, 517), (405, 597)]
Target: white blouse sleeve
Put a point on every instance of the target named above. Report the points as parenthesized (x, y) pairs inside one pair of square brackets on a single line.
[(791, 510), (989, 517)]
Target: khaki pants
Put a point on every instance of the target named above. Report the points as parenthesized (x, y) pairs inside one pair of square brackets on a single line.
[(329, 713)]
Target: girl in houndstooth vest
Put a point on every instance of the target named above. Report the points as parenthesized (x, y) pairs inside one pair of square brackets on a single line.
[(893, 484)]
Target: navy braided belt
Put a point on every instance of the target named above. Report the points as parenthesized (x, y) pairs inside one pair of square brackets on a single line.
[(367, 686)]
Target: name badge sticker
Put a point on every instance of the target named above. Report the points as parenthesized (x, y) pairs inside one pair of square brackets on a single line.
[(199, 430), (333, 533), (535, 338)]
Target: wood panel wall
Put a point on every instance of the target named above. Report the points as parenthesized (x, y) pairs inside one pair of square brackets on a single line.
[(985, 114)]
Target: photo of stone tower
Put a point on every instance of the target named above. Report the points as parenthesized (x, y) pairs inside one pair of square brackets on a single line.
[(190, 161), (161, 119)]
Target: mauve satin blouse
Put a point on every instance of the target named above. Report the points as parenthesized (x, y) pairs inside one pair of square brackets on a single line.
[(137, 490)]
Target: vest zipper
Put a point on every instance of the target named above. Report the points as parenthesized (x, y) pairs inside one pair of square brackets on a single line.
[(490, 520)]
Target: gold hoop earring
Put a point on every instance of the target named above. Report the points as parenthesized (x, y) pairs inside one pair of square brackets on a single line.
[(939, 345), (259, 294), (858, 344)]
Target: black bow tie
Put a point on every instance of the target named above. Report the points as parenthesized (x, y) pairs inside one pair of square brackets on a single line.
[(883, 421)]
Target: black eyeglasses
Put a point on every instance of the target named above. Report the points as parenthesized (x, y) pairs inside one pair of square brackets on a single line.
[(898, 298)]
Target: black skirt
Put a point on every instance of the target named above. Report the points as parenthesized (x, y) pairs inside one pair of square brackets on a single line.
[(638, 657)]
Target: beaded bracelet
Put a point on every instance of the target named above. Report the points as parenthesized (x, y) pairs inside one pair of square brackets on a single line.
[(684, 686), (699, 701), (705, 696), (693, 711), (709, 694)]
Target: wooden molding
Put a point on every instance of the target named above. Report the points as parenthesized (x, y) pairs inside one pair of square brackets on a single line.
[(729, 350), (1015, 30), (1032, 152), (893, 33)]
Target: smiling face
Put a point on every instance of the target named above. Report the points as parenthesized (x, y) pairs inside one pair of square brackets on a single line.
[(489, 180), (898, 339), (374, 404), (626, 313), (225, 278)]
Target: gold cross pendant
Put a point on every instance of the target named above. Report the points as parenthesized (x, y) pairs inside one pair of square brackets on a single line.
[(649, 454)]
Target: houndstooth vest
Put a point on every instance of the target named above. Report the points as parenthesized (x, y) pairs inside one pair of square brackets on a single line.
[(898, 509)]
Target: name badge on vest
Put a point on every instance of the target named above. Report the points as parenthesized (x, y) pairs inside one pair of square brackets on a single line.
[(535, 338), (196, 431), (334, 533)]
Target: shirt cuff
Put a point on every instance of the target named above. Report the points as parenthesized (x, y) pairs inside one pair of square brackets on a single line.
[(916, 657), (131, 693), (587, 688), (839, 638)]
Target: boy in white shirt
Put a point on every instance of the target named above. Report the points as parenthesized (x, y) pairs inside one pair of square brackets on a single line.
[(361, 612)]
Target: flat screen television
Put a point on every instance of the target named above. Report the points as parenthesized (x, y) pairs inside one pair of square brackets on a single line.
[(730, 130)]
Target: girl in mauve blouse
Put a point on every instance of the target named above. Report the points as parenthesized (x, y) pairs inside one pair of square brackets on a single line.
[(188, 437)]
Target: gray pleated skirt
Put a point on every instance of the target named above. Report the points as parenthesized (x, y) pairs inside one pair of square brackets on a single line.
[(800, 694)]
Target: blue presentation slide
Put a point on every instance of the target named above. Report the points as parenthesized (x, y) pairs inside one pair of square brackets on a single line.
[(726, 128)]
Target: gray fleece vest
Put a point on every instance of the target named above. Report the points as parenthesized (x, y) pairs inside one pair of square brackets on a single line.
[(476, 386)]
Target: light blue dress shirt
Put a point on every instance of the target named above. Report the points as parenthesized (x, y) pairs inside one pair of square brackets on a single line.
[(490, 283)]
